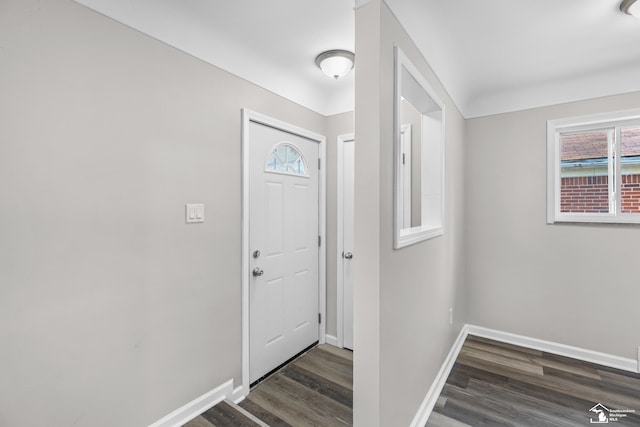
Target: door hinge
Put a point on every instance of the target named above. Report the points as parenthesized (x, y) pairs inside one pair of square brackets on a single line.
[(319, 163), (319, 241), (319, 318)]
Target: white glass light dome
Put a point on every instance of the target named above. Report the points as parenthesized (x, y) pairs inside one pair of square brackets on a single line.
[(335, 63)]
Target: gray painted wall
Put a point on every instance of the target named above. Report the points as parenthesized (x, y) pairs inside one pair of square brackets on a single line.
[(366, 262), (405, 294), (113, 311), (108, 300), (575, 284)]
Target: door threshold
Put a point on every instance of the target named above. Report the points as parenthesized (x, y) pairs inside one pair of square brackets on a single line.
[(273, 371)]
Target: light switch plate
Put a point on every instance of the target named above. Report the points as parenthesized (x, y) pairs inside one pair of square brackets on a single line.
[(194, 212)]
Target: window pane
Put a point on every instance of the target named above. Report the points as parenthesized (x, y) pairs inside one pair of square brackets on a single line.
[(285, 158), (584, 172), (292, 154), (281, 152), (630, 168), (273, 164), (298, 167)]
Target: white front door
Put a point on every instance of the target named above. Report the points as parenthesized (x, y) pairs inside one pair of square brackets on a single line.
[(348, 170), (283, 244)]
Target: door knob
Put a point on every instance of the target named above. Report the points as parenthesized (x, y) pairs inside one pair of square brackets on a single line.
[(347, 255), (258, 272)]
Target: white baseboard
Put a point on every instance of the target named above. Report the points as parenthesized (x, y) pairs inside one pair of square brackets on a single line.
[(436, 387), (431, 398), (196, 407), (332, 340), (238, 395), (585, 355)]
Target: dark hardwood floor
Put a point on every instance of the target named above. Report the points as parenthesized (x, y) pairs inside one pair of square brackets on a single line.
[(491, 384), (497, 384), (313, 390), (225, 414)]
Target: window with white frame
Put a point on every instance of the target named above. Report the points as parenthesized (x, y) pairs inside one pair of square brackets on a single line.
[(593, 168), (285, 158)]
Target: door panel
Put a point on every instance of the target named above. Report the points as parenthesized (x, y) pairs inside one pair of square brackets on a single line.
[(283, 226), (274, 221)]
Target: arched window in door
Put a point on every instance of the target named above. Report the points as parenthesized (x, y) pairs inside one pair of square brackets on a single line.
[(285, 158)]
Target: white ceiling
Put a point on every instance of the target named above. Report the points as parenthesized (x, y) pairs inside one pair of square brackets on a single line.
[(272, 43), (493, 56)]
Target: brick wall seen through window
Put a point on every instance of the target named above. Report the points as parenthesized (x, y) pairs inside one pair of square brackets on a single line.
[(584, 184)]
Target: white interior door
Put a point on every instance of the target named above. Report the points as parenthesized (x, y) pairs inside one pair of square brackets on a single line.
[(283, 243), (348, 239)]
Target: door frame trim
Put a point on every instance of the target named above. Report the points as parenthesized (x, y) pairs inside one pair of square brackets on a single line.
[(342, 139), (249, 116)]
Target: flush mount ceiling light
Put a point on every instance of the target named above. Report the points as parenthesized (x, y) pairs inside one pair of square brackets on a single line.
[(335, 63), (631, 7)]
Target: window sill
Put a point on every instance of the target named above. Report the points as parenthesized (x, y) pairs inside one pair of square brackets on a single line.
[(596, 219), (417, 234)]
